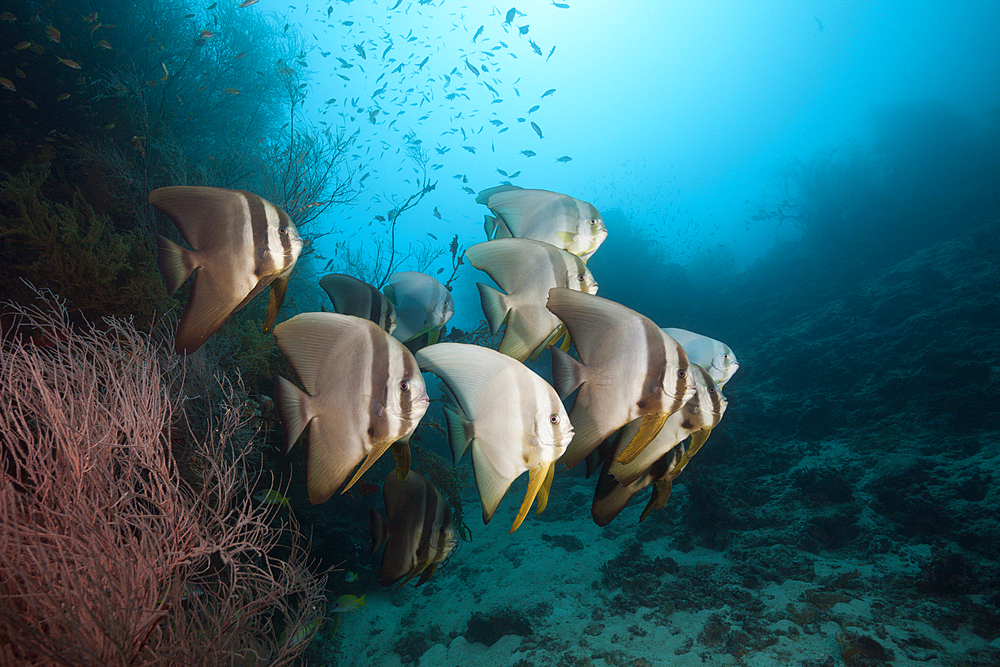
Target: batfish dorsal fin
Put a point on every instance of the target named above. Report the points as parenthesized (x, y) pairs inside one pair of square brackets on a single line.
[(205, 217)]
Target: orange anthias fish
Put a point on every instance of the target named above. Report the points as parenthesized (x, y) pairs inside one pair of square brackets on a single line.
[(68, 63), (53, 34)]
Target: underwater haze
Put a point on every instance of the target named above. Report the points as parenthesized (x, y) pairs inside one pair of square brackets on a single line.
[(805, 193)]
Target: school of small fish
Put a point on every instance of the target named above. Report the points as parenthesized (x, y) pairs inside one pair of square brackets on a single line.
[(646, 398)]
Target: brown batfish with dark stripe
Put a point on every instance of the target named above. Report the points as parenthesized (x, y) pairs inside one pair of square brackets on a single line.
[(664, 458), (240, 244), (419, 534), (351, 296), (630, 369), (364, 393)]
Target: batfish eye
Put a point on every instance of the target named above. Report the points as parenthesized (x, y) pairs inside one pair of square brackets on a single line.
[(581, 278), (593, 223), (404, 385), (711, 390), (282, 230), (553, 419), (682, 374)]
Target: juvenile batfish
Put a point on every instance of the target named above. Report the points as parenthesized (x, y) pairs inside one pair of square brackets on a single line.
[(551, 217), (423, 305), (351, 296), (512, 420), (628, 369), (526, 269), (240, 243), (363, 393), (712, 355), (420, 532)]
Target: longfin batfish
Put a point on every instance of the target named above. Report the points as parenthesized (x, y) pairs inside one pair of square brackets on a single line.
[(420, 532), (525, 270), (351, 296), (628, 369), (364, 392), (712, 355), (423, 305), (551, 217), (509, 417), (702, 412), (240, 244)]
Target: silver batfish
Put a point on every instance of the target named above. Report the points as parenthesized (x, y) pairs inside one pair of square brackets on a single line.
[(525, 270), (628, 369), (240, 243), (420, 532), (351, 296), (364, 392), (551, 217), (512, 420)]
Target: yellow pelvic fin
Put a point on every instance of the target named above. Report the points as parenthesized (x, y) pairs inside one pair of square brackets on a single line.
[(543, 492), (536, 477), (697, 440), (378, 448), (401, 453), (278, 288), (648, 429)]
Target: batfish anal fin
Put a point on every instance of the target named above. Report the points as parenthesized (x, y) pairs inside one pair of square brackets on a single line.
[(378, 449)]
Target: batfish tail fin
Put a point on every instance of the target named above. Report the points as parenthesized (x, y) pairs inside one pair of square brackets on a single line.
[(379, 530), (567, 373), (290, 402), (174, 262), (495, 306), (458, 433)]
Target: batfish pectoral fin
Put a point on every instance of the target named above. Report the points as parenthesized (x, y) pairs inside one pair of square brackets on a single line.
[(543, 492), (536, 478), (278, 288), (650, 427), (566, 237), (378, 449), (401, 454)]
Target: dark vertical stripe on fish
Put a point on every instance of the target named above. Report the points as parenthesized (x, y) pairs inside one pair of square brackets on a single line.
[(263, 262), (652, 398), (406, 397), (683, 378), (286, 239), (374, 306), (379, 383), (430, 507)]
